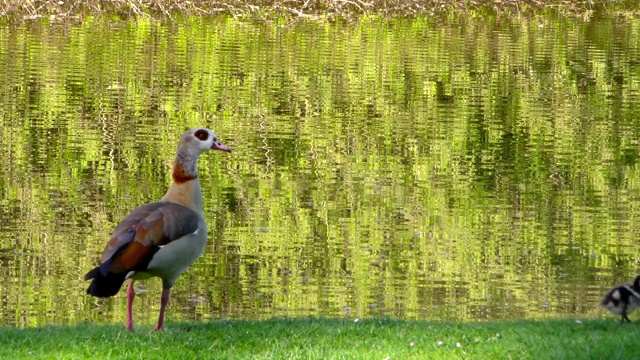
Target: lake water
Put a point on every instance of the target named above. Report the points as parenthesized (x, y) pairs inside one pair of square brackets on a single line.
[(466, 169)]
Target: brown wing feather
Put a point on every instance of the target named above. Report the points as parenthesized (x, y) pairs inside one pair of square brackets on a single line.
[(134, 254), (124, 233), (143, 229)]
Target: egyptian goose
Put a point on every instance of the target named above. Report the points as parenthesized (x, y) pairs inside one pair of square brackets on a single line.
[(623, 300), (159, 239)]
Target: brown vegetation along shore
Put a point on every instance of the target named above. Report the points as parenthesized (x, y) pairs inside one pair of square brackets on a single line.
[(64, 9)]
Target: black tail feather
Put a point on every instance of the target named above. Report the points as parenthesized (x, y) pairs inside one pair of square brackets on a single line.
[(104, 286)]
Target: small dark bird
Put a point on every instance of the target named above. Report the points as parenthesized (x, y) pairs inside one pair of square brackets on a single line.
[(623, 299)]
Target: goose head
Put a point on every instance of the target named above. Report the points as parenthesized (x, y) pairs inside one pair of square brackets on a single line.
[(200, 140)]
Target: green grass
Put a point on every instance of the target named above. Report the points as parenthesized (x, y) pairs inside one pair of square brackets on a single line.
[(330, 339)]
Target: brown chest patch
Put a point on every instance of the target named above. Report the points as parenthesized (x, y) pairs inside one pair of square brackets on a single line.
[(180, 175)]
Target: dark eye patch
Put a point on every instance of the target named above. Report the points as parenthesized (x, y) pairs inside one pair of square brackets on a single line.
[(202, 134)]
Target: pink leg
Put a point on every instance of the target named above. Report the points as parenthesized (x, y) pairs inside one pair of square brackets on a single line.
[(130, 295), (163, 306)]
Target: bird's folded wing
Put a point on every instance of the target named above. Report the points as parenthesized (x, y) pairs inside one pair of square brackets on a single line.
[(144, 229)]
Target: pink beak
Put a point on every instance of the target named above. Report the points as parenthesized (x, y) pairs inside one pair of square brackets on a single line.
[(219, 146)]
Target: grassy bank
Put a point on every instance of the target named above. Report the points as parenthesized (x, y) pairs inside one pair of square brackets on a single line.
[(330, 339), (69, 9)]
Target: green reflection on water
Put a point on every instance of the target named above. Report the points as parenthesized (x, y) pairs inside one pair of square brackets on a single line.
[(464, 170)]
